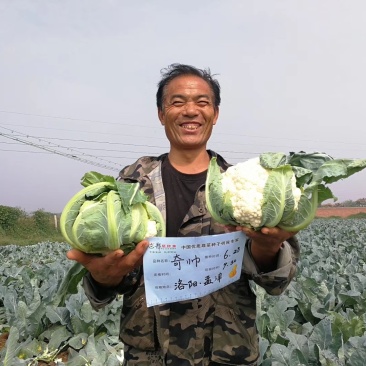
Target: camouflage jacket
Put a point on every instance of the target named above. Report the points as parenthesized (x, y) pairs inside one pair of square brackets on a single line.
[(217, 329)]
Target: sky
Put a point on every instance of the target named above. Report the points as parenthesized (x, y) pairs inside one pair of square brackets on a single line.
[(78, 80)]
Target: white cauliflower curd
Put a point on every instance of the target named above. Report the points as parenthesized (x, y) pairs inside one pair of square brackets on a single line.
[(247, 180)]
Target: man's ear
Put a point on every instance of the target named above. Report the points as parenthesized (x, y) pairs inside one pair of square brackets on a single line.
[(216, 116), (161, 116)]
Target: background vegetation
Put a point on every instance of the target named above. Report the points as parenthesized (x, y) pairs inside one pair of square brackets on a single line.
[(21, 228), (319, 321), (361, 202)]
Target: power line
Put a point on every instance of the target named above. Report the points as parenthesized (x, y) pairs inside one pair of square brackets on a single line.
[(26, 151), (71, 119), (57, 152), (160, 147), (93, 141), (78, 149), (164, 138), (146, 126), (81, 131)]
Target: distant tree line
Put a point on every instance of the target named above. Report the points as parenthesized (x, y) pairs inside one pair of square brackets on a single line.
[(361, 202), (14, 220)]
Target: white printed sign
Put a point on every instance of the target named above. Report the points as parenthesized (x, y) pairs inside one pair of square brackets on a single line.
[(187, 268)]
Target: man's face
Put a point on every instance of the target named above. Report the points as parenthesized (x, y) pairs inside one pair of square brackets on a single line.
[(188, 112)]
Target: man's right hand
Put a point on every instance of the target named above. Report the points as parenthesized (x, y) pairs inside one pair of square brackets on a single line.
[(109, 270)]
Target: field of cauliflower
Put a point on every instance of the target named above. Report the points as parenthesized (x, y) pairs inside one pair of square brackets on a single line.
[(320, 320)]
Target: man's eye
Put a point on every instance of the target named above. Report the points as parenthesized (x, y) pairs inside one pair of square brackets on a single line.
[(202, 103), (178, 103)]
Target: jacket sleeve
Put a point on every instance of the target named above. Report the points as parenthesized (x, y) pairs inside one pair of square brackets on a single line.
[(100, 296), (275, 282)]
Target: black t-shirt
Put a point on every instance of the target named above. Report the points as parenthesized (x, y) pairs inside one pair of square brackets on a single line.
[(180, 190)]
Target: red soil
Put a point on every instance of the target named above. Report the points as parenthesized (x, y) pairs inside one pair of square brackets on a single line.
[(339, 211)]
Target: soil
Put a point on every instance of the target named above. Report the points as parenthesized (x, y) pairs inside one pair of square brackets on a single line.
[(62, 355), (3, 338), (339, 211)]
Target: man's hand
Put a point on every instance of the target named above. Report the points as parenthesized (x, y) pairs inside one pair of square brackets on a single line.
[(265, 245), (110, 269)]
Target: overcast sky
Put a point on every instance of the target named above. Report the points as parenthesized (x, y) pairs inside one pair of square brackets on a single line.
[(78, 82)]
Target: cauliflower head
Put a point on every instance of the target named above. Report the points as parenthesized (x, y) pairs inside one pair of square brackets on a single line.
[(245, 183), (275, 189), (252, 195)]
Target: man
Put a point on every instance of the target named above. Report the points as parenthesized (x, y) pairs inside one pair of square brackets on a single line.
[(217, 329)]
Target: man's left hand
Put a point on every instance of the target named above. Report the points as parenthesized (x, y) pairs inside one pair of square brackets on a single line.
[(265, 245)]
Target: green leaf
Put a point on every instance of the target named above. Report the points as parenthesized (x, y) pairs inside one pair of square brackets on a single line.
[(280, 315), (11, 347), (56, 336), (263, 323), (154, 214), (309, 161), (348, 325), (263, 347), (71, 210), (334, 170), (78, 341), (218, 205), (57, 315), (138, 225), (304, 215), (95, 177), (297, 358), (280, 355), (130, 194), (91, 349), (297, 341), (349, 298), (114, 219), (356, 351), (98, 227), (322, 334), (276, 194), (324, 193), (303, 175), (271, 160), (69, 284)]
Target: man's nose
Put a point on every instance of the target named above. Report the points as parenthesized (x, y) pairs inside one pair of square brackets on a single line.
[(190, 109)]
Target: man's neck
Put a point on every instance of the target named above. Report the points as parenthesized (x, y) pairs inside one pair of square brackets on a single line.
[(189, 162)]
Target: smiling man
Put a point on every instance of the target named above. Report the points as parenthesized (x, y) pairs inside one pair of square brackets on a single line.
[(188, 110), (216, 329), (188, 113)]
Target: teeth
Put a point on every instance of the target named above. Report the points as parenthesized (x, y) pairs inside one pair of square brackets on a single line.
[(190, 127)]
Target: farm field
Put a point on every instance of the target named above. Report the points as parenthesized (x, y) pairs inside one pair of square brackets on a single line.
[(339, 211), (319, 320)]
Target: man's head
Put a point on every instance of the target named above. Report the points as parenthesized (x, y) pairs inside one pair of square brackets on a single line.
[(175, 70), (188, 109)]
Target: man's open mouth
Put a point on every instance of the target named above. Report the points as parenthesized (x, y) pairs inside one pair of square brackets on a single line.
[(190, 126)]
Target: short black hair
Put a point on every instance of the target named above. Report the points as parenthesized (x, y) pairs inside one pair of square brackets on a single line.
[(175, 70)]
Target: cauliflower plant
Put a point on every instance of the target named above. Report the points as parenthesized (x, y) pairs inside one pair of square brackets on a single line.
[(108, 214), (275, 189)]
